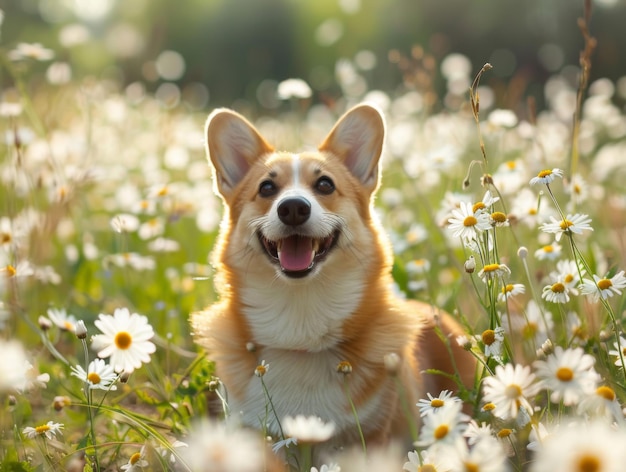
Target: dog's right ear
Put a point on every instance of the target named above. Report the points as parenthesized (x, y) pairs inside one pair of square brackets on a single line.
[(233, 144)]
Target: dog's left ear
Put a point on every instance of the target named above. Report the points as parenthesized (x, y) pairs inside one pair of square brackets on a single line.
[(357, 139)]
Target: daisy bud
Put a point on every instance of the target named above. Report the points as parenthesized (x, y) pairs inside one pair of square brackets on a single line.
[(344, 367), (61, 402), (522, 252), (81, 330), (44, 323), (464, 342), (250, 347), (392, 363), (11, 400), (470, 265), (125, 376), (213, 384)]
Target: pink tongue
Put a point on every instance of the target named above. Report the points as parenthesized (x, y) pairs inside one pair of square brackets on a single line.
[(296, 253)]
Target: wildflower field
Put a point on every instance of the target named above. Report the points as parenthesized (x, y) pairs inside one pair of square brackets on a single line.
[(514, 220)]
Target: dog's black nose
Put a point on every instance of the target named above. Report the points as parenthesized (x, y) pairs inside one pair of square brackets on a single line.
[(294, 211)]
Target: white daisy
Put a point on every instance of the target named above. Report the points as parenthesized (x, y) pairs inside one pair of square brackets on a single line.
[(49, 430), (475, 432), (426, 460), (511, 290), (443, 426), (486, 455), (493, 340), (433, 404), (603, 287), (556, 293), (619, 351), (99, 375), (549, 252), (602, 403), (136, 462), (568, 374), (126, 339), (571, 224), (594, 447), (546, 176), (12, 371), (568, 273), (509, 389), (261, 369), (467, 224), (491, 271), (62, 319), (308, 429)]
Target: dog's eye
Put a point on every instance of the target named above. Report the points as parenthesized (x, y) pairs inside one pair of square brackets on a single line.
[(325, 186), (267, 188)]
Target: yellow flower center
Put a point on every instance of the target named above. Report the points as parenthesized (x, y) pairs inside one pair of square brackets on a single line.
[(565, 374), (123, 340), (513, 391), (565, 224), (68, 326), (94, 378), (588, 463), (489, 406), (498, 217), (504, 433), (427, 468), (471, 467), (260, 370), (544, 173), (441, 431), (532, 211), (437, 403), (606, 392), (162, 192), (489, 337), (530, 329), (478, 206), (548, 248), (558, 287), (135, 458), (5, 238), (344, 367), (470, 221), (491, 267), (569, 278), (511, 165), (604, 284), (507, 288), (44, 428), (10, 271)]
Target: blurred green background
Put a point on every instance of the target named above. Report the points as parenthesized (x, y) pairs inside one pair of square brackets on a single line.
[(221, 51)]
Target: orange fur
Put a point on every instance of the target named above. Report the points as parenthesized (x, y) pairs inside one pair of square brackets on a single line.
[(303, 322)]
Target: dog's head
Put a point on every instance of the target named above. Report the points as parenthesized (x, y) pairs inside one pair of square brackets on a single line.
[(297, 213)]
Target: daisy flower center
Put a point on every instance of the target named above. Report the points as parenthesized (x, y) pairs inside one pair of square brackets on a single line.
[(491, 267), (544, 173), (44, 428), (489, 337), (498, 217), (548, 248), (565, 374), (470, 221), (507, 288), (588, 463), (568, 278), (5, 238), (558, 287), (565, 224), (513, 391), (437, 403), (441, 431), (123, 340), (10, 271), (505, 433), (427, 468), (478, 206), (471, 467), (135, 458), (94, 378), (606, 392), (604, 284), (68, 326), (489, 406)]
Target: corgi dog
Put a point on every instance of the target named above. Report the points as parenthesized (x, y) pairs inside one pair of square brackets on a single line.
[(303, 272)]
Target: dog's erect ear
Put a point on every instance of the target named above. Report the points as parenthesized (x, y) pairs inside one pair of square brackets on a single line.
[(233, 144), (357, 138)]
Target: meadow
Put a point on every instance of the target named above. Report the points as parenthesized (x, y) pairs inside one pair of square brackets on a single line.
[(512, 220)]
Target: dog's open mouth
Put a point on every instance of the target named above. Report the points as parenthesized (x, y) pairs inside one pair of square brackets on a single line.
[(298, 254)]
